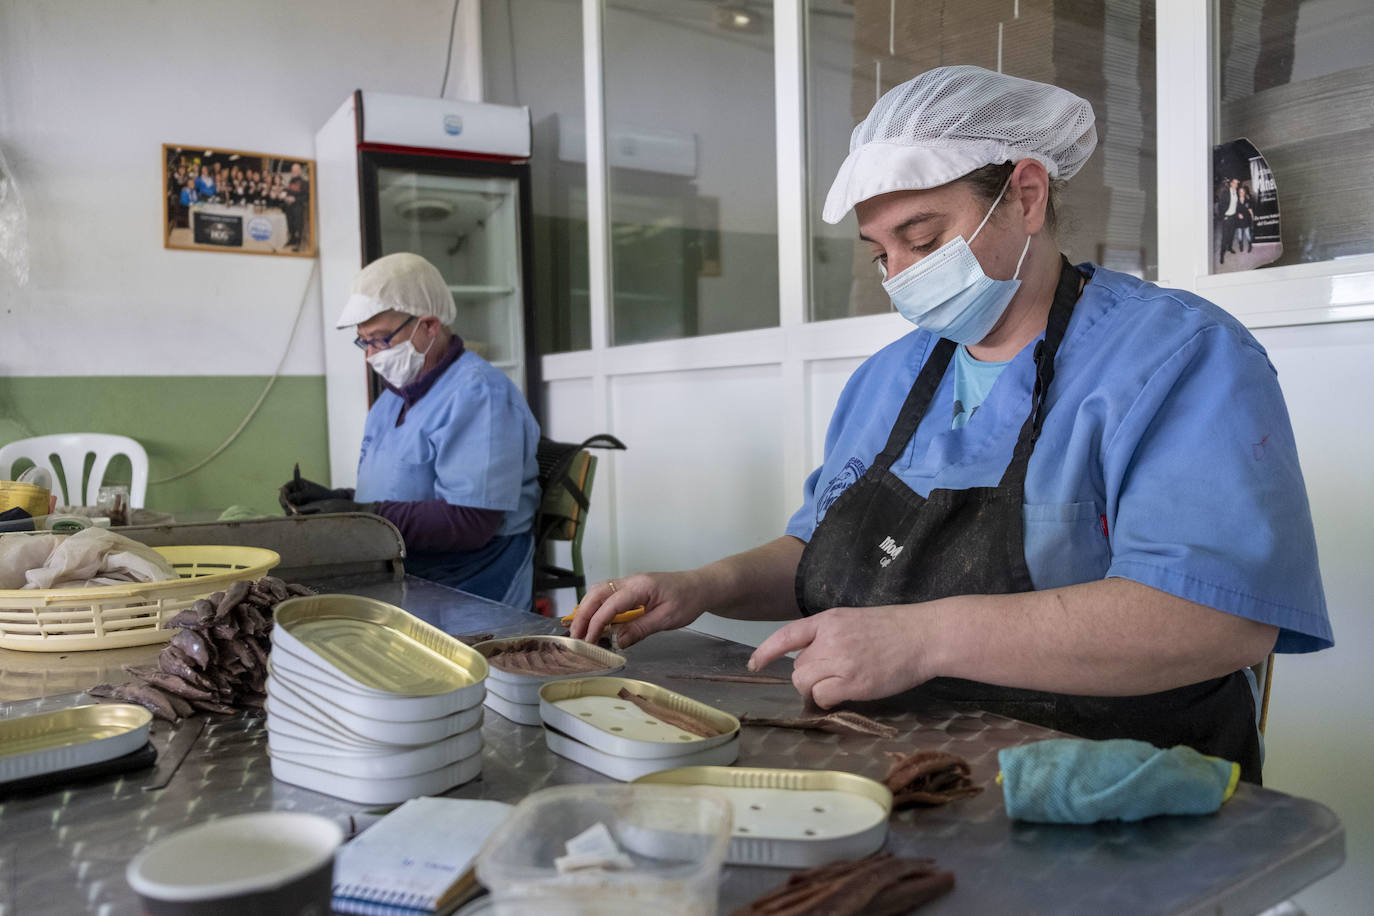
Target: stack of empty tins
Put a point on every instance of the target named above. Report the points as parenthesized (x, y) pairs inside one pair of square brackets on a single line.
[(369, 703)]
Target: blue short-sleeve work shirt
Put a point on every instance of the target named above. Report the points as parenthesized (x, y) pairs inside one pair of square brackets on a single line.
[(1167, 456), (470, 441)]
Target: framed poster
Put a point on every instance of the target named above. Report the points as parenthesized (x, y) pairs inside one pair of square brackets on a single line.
[(233, 200), (1245, 209)]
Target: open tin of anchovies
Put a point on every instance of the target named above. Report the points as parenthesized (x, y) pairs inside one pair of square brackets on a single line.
[(590, 711), (376, 646), (50, 742), (524, 688), (793, 818)]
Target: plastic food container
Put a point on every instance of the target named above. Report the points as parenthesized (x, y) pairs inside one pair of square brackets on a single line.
[(590, 711), (377, 648), (117, 616), (67, 738), (32, 499), (369, 790), (524, 688), (675, 836), (793, 818)]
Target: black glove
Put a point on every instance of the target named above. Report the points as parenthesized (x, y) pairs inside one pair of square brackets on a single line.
[(321, 506), (299, 492)]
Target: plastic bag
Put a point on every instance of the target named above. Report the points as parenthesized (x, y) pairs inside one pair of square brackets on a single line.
[(14, 225)]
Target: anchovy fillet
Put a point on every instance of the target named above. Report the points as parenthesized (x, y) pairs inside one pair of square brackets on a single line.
[(669, 716), (839, 722)]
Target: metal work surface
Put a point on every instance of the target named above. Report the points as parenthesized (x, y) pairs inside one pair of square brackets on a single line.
[(64, 851)]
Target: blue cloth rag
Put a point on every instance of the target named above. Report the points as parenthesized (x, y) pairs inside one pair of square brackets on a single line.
[(1075, 781)]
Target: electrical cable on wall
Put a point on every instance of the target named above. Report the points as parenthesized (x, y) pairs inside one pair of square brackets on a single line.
[(448, 57), (252, 411)]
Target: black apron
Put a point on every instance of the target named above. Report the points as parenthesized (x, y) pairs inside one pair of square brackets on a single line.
[(881, 543)]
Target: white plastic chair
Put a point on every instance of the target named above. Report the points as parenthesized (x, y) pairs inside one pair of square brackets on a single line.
[(71, 450)]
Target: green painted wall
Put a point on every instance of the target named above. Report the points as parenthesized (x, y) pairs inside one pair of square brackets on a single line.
[(180, 420)]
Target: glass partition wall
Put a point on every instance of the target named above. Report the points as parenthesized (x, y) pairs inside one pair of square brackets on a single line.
[(690, 97), (1103, 51), (691, 102), (532, 55), (693, 186), (1296, 79)]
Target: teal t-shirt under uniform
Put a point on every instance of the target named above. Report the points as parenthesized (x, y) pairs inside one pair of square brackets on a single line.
[(973, 379)]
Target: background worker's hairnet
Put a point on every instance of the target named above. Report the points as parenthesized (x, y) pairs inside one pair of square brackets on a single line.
[(948, 122), (404, 282)]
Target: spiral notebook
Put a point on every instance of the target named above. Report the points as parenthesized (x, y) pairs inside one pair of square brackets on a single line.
[(417, 859)]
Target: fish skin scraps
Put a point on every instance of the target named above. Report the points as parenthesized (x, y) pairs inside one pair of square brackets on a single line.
[(881, 885), (928, 778)]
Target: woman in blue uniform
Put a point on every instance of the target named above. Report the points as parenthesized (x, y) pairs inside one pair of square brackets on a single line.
[(1070, 496), (448, 450)]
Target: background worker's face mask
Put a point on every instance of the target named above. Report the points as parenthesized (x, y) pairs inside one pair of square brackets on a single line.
[(947, 293), (400, 364)]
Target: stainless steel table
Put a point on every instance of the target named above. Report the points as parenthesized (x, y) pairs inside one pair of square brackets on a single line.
[(64, 851)]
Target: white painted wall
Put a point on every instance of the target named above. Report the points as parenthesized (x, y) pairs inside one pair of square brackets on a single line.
[(89, 90), (1320, 738)]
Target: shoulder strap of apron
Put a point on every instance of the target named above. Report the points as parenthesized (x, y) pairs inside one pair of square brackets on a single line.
[(923, 389), (917, 401), (1065, 297)]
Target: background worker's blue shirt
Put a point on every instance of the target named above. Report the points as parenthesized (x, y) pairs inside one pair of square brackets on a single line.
[(470, 441), (1167, 456)]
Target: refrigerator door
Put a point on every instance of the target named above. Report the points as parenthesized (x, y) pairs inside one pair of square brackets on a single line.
[(469, 227)]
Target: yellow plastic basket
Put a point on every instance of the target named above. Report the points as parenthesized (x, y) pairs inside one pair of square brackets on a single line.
[(117, 616)]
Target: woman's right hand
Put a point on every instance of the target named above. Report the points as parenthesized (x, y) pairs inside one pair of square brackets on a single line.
[(670, 600)]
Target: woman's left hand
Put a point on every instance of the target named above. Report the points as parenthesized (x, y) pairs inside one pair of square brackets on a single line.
[(850, 654)]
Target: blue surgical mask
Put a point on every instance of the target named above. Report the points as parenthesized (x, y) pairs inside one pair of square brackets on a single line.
[(947, 293)]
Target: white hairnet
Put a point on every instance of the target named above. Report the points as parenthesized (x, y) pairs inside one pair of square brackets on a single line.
[(950, 121), (404, 282)]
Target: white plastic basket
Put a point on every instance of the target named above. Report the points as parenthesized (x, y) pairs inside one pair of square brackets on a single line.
[(117, 616)]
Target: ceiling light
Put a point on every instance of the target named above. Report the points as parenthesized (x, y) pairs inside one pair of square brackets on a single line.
[(734, 17)]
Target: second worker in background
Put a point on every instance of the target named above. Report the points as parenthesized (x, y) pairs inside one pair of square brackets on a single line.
[(448, 450)]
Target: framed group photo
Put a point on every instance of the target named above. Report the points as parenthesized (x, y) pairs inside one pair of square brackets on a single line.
[(233, 200)]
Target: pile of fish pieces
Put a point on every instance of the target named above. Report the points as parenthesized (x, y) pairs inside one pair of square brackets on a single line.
[(929, 778), (217, 661)]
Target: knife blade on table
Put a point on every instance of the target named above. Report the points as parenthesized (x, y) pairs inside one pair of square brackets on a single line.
[(169, 760)]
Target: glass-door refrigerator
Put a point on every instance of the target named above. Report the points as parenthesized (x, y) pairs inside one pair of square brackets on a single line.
[(445, 179)]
